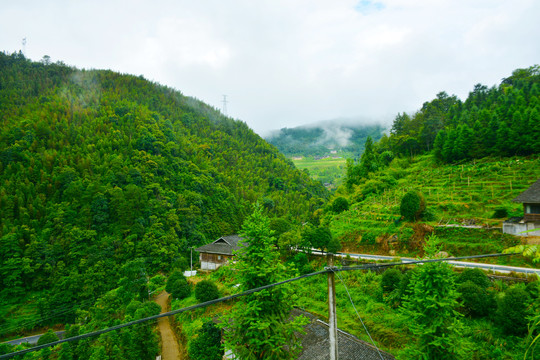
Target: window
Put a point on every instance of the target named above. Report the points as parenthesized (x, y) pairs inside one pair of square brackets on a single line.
[(532, 209)]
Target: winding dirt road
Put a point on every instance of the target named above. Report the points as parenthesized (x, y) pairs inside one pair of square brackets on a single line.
[(169, 345)]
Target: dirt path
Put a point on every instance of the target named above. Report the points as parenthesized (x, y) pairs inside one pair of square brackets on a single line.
[(169, 345)]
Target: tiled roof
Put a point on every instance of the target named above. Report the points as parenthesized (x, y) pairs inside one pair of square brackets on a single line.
[(225, 245), (316, 345), (531, 195)]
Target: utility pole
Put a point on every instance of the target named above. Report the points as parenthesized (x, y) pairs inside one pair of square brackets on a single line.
[(332, 318), (224, 105)]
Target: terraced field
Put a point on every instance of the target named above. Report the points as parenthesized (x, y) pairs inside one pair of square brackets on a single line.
[(465, 194)]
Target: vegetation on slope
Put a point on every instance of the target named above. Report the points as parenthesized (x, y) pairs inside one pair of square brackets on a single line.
[(502, 120), (320, 140), (98, 169)]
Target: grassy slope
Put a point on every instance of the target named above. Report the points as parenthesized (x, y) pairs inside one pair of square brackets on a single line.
[(455, 194), (328, 170)]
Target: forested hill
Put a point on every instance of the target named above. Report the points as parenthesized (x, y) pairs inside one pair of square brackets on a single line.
[(99, 168), (502, 120), (321, 139)]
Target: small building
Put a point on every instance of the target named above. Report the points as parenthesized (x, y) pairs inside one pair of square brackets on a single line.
[(219, 252), (530, 199)]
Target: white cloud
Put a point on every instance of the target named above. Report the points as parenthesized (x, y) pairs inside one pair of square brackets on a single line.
[(286, 63)]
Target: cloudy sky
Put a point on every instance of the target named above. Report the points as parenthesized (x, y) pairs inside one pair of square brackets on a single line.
[(284, 63)]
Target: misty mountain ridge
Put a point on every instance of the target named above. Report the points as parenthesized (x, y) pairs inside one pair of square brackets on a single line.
[(323, 138)]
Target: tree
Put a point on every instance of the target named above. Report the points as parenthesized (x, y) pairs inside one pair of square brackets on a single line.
[(258, 326), (177, 285), (206, 290), (412, 206), (207, 345), (340, 204), (431, 306)]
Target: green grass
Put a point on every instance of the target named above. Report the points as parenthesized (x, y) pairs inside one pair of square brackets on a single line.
[(330, 170)]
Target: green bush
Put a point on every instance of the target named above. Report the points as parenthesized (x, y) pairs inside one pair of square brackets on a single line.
[(533, 289), (412, 206), (512, 311), (177, 285), (500, 213), (476, 300), (47, 338), (475, 276), (180, 289), (369, 238), (206, 290), (155, 282), (301, 262), (391, 279), (339, 205), (206, 346)]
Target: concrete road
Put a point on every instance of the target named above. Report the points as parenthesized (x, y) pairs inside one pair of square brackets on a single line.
[(484, 266), (32, 339)]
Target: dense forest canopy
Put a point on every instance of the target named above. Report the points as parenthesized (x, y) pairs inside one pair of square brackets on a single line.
[(320, 140), (499, 121), (98, 169), (502, 120)]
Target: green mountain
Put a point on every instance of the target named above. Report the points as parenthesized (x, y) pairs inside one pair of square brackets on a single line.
[(98, 169), (323, 138), (502, 120)]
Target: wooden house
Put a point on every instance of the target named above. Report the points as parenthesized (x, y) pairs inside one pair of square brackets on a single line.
[(525, 226), (219, 252)]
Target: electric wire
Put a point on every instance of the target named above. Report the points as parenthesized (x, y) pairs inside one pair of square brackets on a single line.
[(354, 307), (247, 292)]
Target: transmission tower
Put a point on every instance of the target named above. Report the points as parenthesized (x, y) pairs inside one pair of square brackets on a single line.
[(24, 46), (224, 111)]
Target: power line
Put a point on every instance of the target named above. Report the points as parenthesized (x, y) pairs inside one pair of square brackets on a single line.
[(251, 291), (364, 325)]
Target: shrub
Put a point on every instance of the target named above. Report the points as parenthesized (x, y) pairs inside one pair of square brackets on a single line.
[(339, 205), (47, 338), (206, 346), (155, 282), (533, 289), (477, 301), (177, 285), (412, 206), (512, 311), (391, 279), (176, 275), (280, 226), (206, 290), (475, 276), (386, 157), (301, 262), (333, 245), (500, 213), (369, 238), (180, 289)]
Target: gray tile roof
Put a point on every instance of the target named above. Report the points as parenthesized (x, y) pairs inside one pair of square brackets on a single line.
[(225, 245), (531, 195), (316, 345)]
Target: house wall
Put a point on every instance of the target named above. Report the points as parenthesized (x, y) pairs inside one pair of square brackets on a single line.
[(519, 229), (213, 261)]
